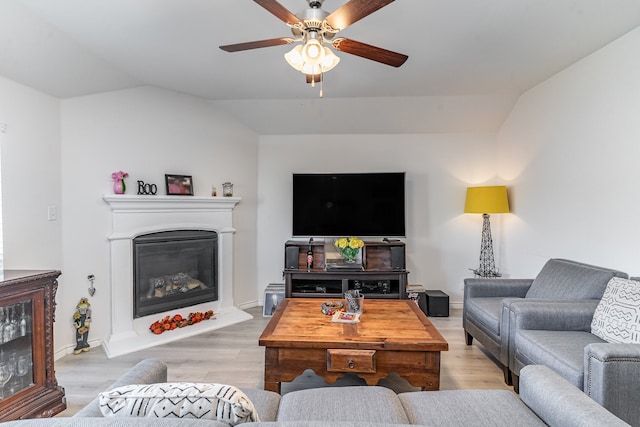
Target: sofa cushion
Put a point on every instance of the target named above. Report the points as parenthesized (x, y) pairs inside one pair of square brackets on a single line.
[(173, 422), (617, 317), (564, 279), (562, 351), (265, 402), (464, 408), (352, 404), (328, 424), (485, 311), (112, 422), (179, 400)]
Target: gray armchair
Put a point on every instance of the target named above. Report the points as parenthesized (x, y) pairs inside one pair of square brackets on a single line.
[(487, 301), (559, 336)]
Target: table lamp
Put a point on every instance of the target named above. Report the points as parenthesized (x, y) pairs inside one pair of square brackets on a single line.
[(486, 200)]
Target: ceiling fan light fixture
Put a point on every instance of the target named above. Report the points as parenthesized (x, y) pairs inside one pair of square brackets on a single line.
[(309, 69), (294, 57), (330, 60), (312, 52), (300, 59)]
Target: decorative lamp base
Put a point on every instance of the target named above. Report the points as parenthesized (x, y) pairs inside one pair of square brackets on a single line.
[(487, 263)]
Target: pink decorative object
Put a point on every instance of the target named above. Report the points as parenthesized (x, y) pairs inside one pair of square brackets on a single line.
[(119, 186)]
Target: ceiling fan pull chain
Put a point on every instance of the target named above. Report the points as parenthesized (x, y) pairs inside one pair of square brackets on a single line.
[(321, 83)]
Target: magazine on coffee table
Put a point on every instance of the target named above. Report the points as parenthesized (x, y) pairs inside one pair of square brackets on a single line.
[(343, 317)]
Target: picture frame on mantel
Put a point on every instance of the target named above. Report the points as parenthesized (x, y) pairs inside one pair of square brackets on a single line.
[(179, 185)]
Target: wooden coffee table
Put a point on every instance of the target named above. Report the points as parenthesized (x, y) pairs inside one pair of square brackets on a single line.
[(392, 335)]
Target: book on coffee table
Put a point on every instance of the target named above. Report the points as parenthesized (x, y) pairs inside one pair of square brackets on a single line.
[(343, 317)]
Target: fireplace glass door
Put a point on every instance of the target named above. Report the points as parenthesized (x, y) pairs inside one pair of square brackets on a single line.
[(174, 269)]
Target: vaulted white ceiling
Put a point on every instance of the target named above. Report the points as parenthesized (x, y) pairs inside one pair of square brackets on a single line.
[(468, 59)]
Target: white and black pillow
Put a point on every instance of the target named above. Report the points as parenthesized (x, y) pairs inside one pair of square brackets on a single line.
[(219, 402), (617, 317)]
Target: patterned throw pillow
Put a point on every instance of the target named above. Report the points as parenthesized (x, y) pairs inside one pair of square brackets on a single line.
[(218, 402), (617, 317)]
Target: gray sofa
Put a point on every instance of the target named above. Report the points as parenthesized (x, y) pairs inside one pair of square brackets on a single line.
[(487, 301), (559, 337), (545, 399)]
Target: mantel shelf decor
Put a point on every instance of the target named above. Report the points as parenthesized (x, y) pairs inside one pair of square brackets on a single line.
[(119, 186)]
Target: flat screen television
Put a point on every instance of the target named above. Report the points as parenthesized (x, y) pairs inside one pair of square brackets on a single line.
[(349, 204)]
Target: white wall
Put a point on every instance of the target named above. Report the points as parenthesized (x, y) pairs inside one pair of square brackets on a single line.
[(146, 132), (569, 152), (442, 243), (30, 178)]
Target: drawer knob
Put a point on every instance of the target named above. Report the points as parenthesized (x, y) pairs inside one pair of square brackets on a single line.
[(351, 364)]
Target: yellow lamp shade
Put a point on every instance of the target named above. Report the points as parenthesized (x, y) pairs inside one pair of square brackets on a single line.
[(487, 200)]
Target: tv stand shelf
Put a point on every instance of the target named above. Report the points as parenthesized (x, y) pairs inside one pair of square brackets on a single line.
[(384, 274)]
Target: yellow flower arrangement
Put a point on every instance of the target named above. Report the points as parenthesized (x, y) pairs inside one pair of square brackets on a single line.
[(349, 247)]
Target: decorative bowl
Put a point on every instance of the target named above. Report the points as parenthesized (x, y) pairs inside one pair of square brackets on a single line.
[(332, 307)]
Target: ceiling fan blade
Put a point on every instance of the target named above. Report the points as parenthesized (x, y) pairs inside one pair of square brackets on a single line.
[(256, 44), (279, 11), (353, 11), (369, 52)]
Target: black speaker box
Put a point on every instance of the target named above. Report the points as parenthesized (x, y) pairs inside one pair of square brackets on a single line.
[(291, 257), (397, 257), (437, 303)]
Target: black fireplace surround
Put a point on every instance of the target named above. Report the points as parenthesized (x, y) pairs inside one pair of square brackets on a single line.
[(174, 269)]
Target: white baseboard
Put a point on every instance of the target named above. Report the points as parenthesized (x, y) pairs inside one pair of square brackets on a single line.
[(69, 349), (249, 304)]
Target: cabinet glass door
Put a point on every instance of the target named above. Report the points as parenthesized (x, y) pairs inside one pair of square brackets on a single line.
[(16, 351)]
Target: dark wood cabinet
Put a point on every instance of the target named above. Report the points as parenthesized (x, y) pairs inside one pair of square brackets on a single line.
[(29, 388), (382, 274)]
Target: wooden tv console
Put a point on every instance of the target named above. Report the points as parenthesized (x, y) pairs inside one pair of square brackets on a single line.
[(377, 278)]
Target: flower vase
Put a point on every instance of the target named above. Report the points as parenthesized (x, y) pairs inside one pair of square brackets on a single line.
[(350, 255), (349, 248), (119, 186)]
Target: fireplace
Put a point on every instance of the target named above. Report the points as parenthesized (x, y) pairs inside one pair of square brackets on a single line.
[(150, 220), (174, 269)]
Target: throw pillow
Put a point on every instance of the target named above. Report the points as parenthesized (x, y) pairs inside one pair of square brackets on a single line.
[(617, 316), (219, 402)]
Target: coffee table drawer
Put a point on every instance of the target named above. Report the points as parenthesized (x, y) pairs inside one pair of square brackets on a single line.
[(340, 360)]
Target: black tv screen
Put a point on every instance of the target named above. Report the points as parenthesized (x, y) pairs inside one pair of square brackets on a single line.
[(349, 204)]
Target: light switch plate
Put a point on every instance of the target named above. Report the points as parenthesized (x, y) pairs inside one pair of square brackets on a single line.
[(52, 213)]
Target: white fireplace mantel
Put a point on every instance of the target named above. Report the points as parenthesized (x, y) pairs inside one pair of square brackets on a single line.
[(124, 203), (133, 216)]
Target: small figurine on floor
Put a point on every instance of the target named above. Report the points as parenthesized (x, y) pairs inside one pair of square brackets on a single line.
[(82, 321)]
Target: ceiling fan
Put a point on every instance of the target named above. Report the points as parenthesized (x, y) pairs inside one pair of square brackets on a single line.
[(314, 27)]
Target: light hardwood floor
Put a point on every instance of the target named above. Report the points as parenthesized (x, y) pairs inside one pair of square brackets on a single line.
[(232, 356)]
